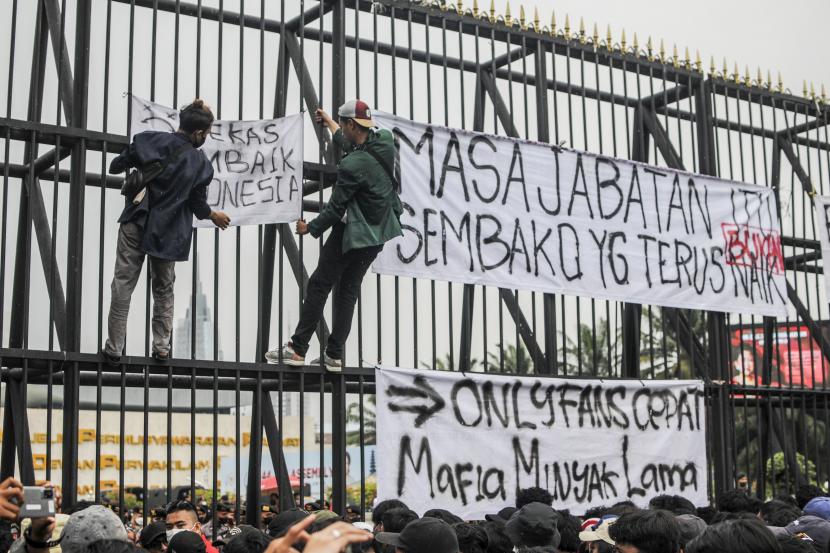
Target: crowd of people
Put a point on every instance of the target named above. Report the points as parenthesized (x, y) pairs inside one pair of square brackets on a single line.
[(739, 523)]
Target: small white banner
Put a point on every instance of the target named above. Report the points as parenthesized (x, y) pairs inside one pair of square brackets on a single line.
[(483, 209), (468, 442), (822, 204), (257, 165)]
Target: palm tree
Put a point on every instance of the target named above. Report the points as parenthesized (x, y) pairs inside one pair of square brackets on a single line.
[(515, 359), (353, 416)]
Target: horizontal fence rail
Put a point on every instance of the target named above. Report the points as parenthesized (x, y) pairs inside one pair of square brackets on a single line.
[(216, 418)]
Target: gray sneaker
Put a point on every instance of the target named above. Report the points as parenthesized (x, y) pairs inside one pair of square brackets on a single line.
[(330, 363), (289, 356)]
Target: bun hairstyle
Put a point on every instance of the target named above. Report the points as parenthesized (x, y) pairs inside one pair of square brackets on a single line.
[(196, 117)]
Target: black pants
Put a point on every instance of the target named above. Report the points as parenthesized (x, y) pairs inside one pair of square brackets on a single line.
[(349, 268)]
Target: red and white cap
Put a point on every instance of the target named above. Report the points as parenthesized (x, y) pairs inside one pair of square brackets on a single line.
[(359, 111)]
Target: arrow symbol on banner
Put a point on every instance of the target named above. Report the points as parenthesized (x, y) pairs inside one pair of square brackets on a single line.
[(420, 390)]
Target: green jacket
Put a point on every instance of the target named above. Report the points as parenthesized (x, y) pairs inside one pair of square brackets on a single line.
[(365, 192)]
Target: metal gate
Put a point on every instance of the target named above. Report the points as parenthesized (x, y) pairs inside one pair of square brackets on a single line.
[(111, 434)]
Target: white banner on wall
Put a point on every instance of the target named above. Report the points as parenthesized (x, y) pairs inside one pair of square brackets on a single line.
[(468, 442), (483, 209), (257, 165), (822, 204)]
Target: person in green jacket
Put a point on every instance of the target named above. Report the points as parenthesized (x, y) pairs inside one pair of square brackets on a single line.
[(363, 214)]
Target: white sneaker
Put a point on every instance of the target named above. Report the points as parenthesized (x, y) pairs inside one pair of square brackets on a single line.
[(330, 363), (287, 356)]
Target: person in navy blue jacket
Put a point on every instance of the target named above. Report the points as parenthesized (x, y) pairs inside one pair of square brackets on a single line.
[(161, 225)]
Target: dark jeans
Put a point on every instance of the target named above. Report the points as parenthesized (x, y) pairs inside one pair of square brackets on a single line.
[(349, 268)]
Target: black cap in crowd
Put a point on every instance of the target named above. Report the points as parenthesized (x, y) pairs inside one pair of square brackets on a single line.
[(186, 542), (151, 533), (280, 524), (534, 525), (503, 515), (425, 535)]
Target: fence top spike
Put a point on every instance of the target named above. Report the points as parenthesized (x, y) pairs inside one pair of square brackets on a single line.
[(698, 62), (812, 90), (622, 41), (459, 7), (662, 51), (804, 89), (675, 56), (823, 94), (711, 66), (780, 83), (522, 19), (759, 77), (635, 45), (725, 70), (567, 27), (582, 38), (737, 74), (444, 5), (747, 76), (553, 23), (536, 22), (492, 11), (475, 9), (609, 40), (595, 35), (769, 79), (508, 19), (649, 48)]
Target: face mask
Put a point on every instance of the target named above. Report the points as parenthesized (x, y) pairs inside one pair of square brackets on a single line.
[(174, 531)]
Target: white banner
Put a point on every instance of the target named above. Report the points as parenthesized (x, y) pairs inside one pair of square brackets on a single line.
[(822, 204), (257, 165), (483, 209), (468, 442)]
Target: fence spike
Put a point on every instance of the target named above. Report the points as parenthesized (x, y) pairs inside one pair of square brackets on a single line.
[(687, 61), (812, 91), (595, 36), (675, 57), (567, 27), (769, 80), (508, 19), (737, 74), (662, 52), (804, 89), (622, 42), (609, 40), (780, 83), (552, 23), (536, 22), (649, 49), (582, 39), (635, 46), (522, 21), (492, 11), (475, 9), (712, 68), (823, 94), (725, 70), (459, 7), (747, 76)]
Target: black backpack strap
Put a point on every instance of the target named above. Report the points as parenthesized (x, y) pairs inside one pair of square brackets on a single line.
[(389, 172)]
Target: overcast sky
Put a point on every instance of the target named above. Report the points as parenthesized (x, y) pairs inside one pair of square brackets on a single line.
[(790, 37)]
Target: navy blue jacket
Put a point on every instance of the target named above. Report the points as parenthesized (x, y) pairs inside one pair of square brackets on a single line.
[(173, 198)]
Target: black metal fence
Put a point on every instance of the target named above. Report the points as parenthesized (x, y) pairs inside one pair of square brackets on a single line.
[(108, 432)]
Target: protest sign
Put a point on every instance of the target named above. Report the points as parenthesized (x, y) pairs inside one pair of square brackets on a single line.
[(483, 209), (468, 442), (257, 165), (822, 222)]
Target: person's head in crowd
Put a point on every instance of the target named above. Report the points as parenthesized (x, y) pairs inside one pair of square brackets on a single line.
[(497, 540), (707, 513), (595, 512), (817, 529), (158, 514), (352, 513), (503, 515), (381, 508), (280, 524), (247, 540), (181, 517), (266, 513), (788, 499), (743, 535), (569, 528), (322, 520), (186, 542), (806, 492), (92, 524), (110, 546), (472, 538), (595, 534), (6, 535), (443, 514), (425, 535), (646, 532), (395, 520), (778, 513), (533, 495), (691, 526), (676, 504), (78, 506), (818, 507), (724, 516), (534, 527), (153, 537), (738, 501), (795, 544), (621, 508), (195, 121), (274, 499)]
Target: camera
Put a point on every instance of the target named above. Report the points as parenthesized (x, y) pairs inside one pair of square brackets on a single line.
[(37, 502)]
